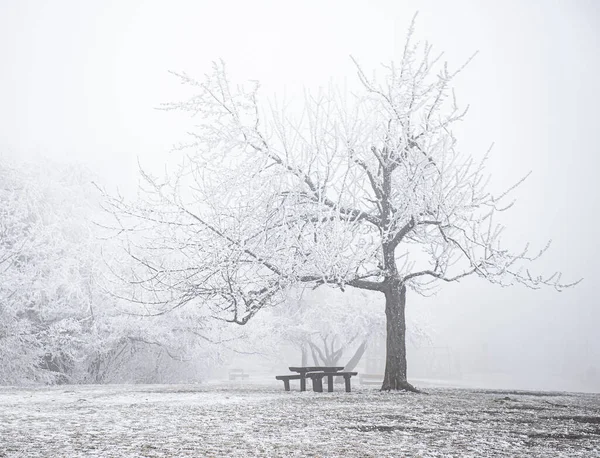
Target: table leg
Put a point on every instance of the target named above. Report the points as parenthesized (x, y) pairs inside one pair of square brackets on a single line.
[(303, 383), (286, 384), (330, 383), (317, 384), (347, 381)]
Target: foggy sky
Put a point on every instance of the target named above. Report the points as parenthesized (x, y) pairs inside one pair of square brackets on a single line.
[(80, 81)]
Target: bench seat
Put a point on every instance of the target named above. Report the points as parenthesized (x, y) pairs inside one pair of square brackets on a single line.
[(317, 380), (286, 381)]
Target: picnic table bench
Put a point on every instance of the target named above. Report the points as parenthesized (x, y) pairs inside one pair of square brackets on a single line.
[(316, 374), (317, 380)]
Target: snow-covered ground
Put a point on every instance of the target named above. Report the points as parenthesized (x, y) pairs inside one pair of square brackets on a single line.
[(260, 419)]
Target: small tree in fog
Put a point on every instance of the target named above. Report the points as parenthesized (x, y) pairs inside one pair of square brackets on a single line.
[(328, 328), (367, 191)]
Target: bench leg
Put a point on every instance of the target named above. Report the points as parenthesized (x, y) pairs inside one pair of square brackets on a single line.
[(286, 384), (347, 382), (302, 384), (330, 383), (317, 384)]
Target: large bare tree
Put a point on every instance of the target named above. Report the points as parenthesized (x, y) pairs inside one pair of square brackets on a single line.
[(367, 190)]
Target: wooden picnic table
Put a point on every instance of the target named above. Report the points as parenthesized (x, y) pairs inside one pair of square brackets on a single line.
[(303, 370), (316, 374)]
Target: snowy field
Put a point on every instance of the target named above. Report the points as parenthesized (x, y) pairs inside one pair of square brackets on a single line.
[(232, 420)]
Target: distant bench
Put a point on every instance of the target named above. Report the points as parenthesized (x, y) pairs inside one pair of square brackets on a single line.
[(316, 374), (370, 379), (235, 374)]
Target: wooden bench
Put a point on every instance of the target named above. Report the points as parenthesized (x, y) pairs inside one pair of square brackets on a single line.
[(370, 379), (286, 381), (317, 380), (234, 374)]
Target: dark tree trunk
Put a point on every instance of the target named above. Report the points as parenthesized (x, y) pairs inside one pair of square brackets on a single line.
[(395, 360)]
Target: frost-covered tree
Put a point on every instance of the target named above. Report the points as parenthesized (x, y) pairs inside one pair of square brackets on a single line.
[(368, 191), (141, 349), (46, 270), (58, 324)]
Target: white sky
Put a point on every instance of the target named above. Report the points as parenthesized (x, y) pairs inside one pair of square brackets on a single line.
[(79, 81)]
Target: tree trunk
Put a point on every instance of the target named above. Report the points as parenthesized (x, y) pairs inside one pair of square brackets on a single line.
[(395, 359)]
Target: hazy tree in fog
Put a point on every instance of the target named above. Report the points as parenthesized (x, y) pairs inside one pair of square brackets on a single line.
[(368, 190), (46, 271), (57, 323), (329, 329)]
